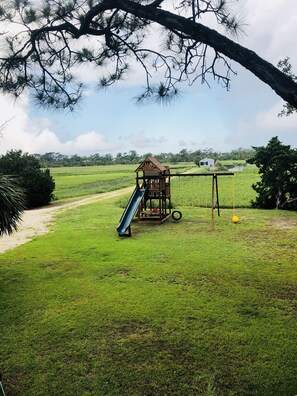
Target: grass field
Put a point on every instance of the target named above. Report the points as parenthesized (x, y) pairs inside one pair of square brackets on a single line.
[(178, 309), (190, 191), (74, 182), (79, 181), (233, 190)]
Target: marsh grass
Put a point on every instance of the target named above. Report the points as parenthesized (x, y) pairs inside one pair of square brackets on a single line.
[(179, 309), (80, 181), (74, 182), (234, 191), (186, 191)]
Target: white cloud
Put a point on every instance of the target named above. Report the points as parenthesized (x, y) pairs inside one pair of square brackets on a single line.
[(269, 120), (271, 28), (141, 140), (19, 132), (15, 120), (89, 142), (84, 144), (266, 124)]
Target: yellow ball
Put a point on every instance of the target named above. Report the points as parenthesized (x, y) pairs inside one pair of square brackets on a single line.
[(235, 219)]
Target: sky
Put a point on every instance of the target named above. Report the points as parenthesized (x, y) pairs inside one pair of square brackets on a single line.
[(203, 118)]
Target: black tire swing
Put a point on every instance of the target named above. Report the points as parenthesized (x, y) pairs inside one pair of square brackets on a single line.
[(176, 215)]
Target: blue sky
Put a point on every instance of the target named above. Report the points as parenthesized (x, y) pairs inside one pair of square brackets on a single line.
[(111, 122)]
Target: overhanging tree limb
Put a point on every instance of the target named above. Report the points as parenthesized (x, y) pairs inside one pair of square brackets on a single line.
[(121, 25), (282, 84)]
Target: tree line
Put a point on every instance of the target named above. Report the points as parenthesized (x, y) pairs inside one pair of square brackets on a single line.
[(53, 159)]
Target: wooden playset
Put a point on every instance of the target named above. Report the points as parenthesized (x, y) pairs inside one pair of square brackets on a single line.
[(151, 199), (155, 206)]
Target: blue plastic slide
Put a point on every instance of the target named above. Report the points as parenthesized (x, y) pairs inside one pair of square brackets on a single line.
[(123, 228)]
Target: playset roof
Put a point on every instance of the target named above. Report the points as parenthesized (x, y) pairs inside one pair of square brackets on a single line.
[(152, 164)]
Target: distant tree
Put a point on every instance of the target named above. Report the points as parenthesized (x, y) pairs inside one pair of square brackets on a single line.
[(197, 156), (76, 160), (50, 39), (37, 184), (119, 158), (146, 155), (241, 154), (108, 159), (184, 156), (162, 157), (277, 165), (51, 159), (12, 205), (133, 157), (197, 160)]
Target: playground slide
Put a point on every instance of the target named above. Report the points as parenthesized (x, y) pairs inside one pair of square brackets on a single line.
[(130, 210)]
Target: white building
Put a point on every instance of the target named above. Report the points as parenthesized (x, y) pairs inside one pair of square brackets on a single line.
[(207, 162)]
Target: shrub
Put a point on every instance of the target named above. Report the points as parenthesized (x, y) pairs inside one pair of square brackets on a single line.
[(37, 184), (277, 165), (12, 204)]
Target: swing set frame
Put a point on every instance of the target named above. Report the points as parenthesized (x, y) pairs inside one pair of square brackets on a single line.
[(215, 203)]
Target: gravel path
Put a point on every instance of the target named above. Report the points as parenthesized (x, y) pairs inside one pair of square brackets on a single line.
[(37, 221)]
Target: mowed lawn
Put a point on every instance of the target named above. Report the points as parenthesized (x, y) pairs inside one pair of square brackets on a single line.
[(185, 308)]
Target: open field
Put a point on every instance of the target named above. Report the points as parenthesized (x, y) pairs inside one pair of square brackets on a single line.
[(233, 190), (178, 309), (81, 181), (86, 180)]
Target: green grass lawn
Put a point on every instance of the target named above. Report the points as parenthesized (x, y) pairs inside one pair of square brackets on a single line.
[(178, 309)]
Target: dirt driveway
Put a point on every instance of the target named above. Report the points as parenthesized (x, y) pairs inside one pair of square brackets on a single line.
[(37, 221)]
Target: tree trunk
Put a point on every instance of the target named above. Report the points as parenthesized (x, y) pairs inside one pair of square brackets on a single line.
[(282, 84), (280, 199)]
